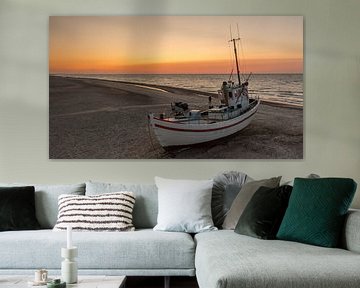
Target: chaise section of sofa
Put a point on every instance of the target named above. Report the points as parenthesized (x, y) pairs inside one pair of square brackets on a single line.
[(225, 259)]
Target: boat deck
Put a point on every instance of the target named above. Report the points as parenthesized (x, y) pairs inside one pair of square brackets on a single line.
[(211, 118)]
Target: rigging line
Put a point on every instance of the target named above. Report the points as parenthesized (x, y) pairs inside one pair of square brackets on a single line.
[(231, 60), (243, 56)]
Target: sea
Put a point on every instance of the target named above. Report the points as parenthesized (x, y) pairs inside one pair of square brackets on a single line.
[(277, 88)]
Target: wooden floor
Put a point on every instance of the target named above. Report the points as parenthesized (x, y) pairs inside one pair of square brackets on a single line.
[(158, 282)]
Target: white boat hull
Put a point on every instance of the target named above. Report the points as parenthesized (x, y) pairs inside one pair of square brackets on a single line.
[(171, 133)]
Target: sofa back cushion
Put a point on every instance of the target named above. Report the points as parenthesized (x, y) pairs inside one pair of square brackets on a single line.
[(146, 204), (46, 200)]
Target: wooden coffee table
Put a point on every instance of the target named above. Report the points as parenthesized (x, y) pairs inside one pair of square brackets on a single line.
[(84, 281)]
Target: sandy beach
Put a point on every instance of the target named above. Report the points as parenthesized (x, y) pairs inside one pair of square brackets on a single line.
[(101, 119)]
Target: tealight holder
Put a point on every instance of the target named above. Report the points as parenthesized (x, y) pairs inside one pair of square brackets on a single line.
[(69, 270)]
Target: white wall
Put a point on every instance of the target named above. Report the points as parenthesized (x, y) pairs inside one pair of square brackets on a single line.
[(331, 82)]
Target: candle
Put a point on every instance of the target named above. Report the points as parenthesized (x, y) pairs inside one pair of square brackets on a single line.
[(69, 239)]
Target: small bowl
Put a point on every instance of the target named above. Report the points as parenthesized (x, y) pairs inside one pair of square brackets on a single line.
[(56, 283)]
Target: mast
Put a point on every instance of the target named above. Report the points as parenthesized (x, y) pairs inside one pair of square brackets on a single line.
[(237, 63)]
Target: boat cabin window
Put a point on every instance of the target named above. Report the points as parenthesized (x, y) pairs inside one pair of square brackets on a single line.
[(230, 94)]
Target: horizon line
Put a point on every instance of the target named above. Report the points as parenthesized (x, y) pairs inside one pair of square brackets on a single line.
[(107, 73)]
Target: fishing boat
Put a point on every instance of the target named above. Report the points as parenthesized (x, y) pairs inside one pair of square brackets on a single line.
[(192, 126)]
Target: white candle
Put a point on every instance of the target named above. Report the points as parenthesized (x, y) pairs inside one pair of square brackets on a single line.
[(69, 239)]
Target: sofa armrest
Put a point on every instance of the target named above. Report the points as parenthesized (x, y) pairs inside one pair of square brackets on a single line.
[(351, 233)]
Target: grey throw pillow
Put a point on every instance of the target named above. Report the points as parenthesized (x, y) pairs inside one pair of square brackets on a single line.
[(226, 187), (242, 199), (184, 205)]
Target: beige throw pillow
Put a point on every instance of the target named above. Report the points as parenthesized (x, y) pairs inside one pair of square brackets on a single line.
[(243, 198)]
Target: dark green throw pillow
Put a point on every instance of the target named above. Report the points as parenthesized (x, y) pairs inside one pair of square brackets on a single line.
[(263, 214), (316, 211), (17, 208)]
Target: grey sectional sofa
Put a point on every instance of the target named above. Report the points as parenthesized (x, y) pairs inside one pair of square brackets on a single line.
[(218, 259), (226, 259)]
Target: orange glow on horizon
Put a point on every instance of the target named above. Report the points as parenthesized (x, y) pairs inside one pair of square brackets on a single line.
[(173, 44), (196, 67)]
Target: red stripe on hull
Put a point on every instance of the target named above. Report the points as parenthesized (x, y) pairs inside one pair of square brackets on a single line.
[(205, 130)]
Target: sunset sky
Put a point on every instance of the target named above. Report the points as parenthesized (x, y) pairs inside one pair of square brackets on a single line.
[(174, 44)]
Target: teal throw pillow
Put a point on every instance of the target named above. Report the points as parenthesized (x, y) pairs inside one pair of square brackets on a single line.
[(316, 211)]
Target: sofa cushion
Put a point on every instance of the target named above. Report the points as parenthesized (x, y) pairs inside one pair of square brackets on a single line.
[(146, 205), (226, 187), (243, 198), (350, 239), (105, 212), (46, 200), (225, 259), (17, 208), (317, 210), (184, 205), (142, 249), (263, 215)]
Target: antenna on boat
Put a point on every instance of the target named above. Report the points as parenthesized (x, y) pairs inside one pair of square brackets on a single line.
[(242, 50), (235, 52)]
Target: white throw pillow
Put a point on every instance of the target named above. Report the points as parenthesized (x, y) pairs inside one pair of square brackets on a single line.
[(105, 212), (184, 205)]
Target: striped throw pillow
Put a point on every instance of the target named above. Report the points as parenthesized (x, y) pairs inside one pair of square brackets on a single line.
[(105, 212)]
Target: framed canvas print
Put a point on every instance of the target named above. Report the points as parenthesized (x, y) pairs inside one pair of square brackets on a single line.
[(179, 87)]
